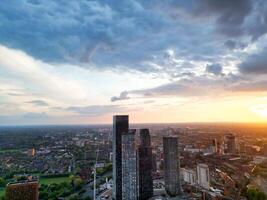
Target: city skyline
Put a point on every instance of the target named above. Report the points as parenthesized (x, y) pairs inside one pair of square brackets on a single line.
[(79, 62), (123, 162)]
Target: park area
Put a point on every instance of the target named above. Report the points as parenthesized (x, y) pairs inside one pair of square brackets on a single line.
[(45, 180)]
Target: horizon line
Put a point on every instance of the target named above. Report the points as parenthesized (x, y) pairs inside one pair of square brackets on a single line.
[(148, 123)]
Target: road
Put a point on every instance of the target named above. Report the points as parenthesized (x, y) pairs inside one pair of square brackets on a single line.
[(105, 193)]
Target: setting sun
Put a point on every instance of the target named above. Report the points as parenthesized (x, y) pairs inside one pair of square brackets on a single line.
[(261, 110)]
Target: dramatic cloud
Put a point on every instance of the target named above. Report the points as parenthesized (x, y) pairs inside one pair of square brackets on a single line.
[(63, 60), (133, 35), (255, 64), (257, 23), (215, 69), (197, 86), (200, 86), (230, 44), (230, 14)]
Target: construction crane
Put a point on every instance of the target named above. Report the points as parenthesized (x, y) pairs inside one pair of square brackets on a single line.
[(95, 167)]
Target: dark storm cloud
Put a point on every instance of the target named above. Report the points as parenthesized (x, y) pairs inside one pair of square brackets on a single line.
[(230, 14), (255, 64), (235, 18), (231, 44), (131, 35), (103, 33), (257, 23)]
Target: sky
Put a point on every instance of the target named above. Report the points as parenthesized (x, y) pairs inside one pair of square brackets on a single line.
[(82, 61)]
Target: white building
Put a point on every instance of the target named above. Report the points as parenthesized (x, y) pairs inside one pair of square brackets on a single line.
[(203, 176), (189, 176)]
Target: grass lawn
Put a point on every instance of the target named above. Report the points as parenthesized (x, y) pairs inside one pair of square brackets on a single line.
[(54, 180), (2, 192)]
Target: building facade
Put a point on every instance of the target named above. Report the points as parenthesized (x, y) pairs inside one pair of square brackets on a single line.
[(129, 166), (230, 144), (203, 177), (145, 182), (189, 176), (26, 190), (171, 166), (120, 127)]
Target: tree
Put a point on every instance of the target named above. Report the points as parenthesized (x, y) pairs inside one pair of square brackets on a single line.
[(254, 194), (261, 196), (2, 182)]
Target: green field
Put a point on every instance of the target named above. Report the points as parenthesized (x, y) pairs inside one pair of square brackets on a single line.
[(54, 180)]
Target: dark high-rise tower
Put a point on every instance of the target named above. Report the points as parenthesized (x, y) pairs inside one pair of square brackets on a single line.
[(171, 166), (120, 127), (145, 138), (145, 166)]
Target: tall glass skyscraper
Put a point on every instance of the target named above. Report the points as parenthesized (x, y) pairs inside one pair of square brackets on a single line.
[(129, 166), (171, 166), (145, 185), (120, 127)]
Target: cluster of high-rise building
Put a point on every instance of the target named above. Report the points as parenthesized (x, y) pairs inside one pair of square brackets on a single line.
[(206, 166), (228, 146), (132, 165)]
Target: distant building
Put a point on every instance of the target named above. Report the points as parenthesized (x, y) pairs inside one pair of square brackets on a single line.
[(145, 182), (31, 152), (120, 127), (26, 190), (215, 146), (189, 176), (171, 166), (154, 162), (203, 177), (229, 144), (129, 166), (242, 147)]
